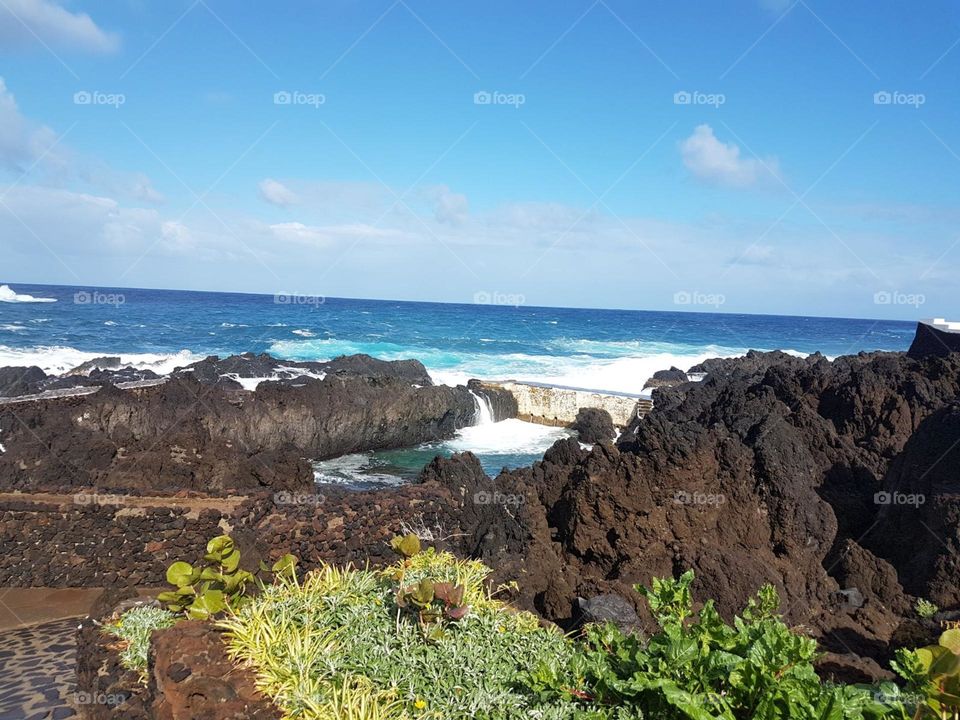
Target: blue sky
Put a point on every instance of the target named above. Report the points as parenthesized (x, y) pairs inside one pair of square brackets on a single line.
[(147, 144)]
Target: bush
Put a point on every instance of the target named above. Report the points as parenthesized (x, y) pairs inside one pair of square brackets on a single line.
[(700, 668), (338, 645), (933, 676), (134, 628), (214, 584), (425, 640)]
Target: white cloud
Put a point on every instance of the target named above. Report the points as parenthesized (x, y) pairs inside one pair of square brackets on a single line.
[(449, 208), (719, 163), (27, 146), (276, 193), (42, 22), (22, 143)]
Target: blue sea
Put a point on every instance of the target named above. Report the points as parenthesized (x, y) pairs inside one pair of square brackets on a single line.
[(616, 350)]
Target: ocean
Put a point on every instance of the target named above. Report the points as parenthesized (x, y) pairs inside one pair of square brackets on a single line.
[(615, 350)]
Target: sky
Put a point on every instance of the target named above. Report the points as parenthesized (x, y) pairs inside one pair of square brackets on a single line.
[(760, 156)]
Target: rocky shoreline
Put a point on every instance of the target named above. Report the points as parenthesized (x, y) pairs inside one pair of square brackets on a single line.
[(833, 480)]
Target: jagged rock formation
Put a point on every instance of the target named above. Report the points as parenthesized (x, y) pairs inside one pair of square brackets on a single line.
[(193, 433), (593, 425), (818, 477)]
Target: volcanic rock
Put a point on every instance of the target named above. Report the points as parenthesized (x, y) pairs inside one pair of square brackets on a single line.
[(593, 425)]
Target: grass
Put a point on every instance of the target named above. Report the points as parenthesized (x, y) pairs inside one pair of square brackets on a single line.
[(337, 646), (134, 628)]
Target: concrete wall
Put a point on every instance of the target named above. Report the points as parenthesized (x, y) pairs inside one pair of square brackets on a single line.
[(553, 405)]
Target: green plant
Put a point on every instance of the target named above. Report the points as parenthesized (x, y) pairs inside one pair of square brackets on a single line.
[(215, 583), (700, 668), (337, 645), (933, 676), (134, 628), (925, 608)]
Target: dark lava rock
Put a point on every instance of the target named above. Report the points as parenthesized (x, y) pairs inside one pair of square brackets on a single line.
[(812, 475), (20, 380), (98, 363), (931, 341), (186, 435), (667, 378), (594, 425), (215, 371), (609, 608)]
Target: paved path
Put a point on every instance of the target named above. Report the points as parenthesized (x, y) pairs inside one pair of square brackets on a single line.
[(38, 671)]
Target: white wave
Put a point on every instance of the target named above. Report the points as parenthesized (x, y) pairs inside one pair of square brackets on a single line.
[(507, 437), (13, 328), (8, 295), (616, 366), (350, 469), (110, 323), (304, 333), (57, 359), (283, 373)]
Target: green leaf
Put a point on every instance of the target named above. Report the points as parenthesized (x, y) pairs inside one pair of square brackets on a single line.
[(285, 565), (220, 546), (211, 602), (180, 574), (408, 545), (231, 561), (951, 640)]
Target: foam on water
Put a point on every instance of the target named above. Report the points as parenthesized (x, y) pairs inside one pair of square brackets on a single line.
[(614, 366), (7, 294), (57, 360)]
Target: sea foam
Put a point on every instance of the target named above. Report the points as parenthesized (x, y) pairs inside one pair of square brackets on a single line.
[(7, 294)]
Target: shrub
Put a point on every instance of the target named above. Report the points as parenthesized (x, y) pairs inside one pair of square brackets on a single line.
[(925, 608), (338, 645), (933, 676), (215, 583), (134, 628), (700, 668)]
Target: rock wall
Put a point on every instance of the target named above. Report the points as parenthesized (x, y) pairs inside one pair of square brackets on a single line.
[(550, 405), (67, 542)]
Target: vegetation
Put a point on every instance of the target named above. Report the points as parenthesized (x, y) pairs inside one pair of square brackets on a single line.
[(933, 676), (925, 608), (134, 628), (425, 639), (701, 668), (350, 643), (215, 583)]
